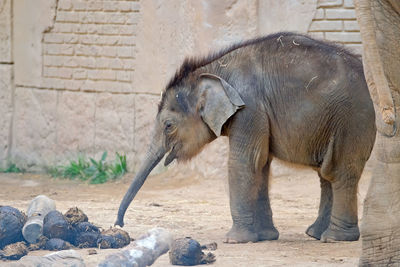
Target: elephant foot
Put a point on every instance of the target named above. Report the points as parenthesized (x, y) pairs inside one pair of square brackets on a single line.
[(268, 234), (235, 236), (336, 233), (317, 228), (314, 232)]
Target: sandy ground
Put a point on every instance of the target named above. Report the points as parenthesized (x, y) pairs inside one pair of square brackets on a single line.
[(191, 205)]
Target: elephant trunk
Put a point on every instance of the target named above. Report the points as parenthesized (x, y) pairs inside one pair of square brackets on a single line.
[(155, 153), (369, 38)]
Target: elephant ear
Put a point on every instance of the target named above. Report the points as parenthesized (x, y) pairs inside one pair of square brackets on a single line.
[(218, 101)]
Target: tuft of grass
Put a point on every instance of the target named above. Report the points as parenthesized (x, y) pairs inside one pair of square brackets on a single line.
[(11, 168), (96, 172)]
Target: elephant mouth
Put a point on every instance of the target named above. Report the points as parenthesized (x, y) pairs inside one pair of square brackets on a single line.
[(171, 156)]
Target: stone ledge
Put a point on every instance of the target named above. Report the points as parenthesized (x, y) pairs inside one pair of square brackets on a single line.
[(344, 37), (341, 14), (329, 3), (326, 25)]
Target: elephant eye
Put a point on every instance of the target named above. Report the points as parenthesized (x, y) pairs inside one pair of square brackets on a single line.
[(168, 126)]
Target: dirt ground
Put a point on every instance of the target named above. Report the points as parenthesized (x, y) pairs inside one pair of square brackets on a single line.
[(190, 205)]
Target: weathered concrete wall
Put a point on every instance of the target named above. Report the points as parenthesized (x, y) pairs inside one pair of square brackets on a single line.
[(74, 64), (6, 108), (6, 79), (88, 74), (5, 33)]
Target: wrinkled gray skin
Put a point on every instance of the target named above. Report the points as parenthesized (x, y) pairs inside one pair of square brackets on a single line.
[(285, 96), (379, 22)]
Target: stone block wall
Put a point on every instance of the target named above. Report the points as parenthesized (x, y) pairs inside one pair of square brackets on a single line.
[(85, 76), (335, 20), (91, 46)]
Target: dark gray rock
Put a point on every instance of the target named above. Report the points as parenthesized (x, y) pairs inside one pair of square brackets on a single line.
[(57, 244), (55, 226), (113, 238), (187, 252), (11, 223)]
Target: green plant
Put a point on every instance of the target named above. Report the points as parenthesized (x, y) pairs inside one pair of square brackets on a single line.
[(96, 172), (119, 168), (11, 168)]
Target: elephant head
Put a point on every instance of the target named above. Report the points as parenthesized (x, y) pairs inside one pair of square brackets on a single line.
[(192, 112)]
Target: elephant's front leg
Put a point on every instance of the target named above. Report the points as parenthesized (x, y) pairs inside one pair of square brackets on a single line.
[(249, 201), (264, 225)]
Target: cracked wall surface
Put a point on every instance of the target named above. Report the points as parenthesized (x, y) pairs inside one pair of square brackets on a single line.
[(6, 79), (84, 76), (5, 32)]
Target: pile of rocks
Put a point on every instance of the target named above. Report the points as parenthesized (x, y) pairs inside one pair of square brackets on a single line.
[(20, 234), (46, 228), (73, 228)]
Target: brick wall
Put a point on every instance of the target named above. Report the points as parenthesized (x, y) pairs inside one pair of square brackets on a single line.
[(335, 20), (91, 46)]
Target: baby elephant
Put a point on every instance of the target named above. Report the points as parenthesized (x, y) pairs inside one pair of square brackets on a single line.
[(287, 96)]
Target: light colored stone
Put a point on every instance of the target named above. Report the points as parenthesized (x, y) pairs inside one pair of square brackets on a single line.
[(226, 22), (6, 109), (65, 5), (326, 25), (329, 3), (31, 18), (337, 13), (348, 3), (101, 41), (34, 131), (319, 14), (275, 16), (106, 86), (186, 28), (76, 123), (5, 31), (114, 126), (351, 26), (344, 37), (317, 35), (146, 107)]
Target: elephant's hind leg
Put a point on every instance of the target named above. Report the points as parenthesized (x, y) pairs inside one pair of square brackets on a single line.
[(264, 225), (343, 224), (343, 168), (324, 213)]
